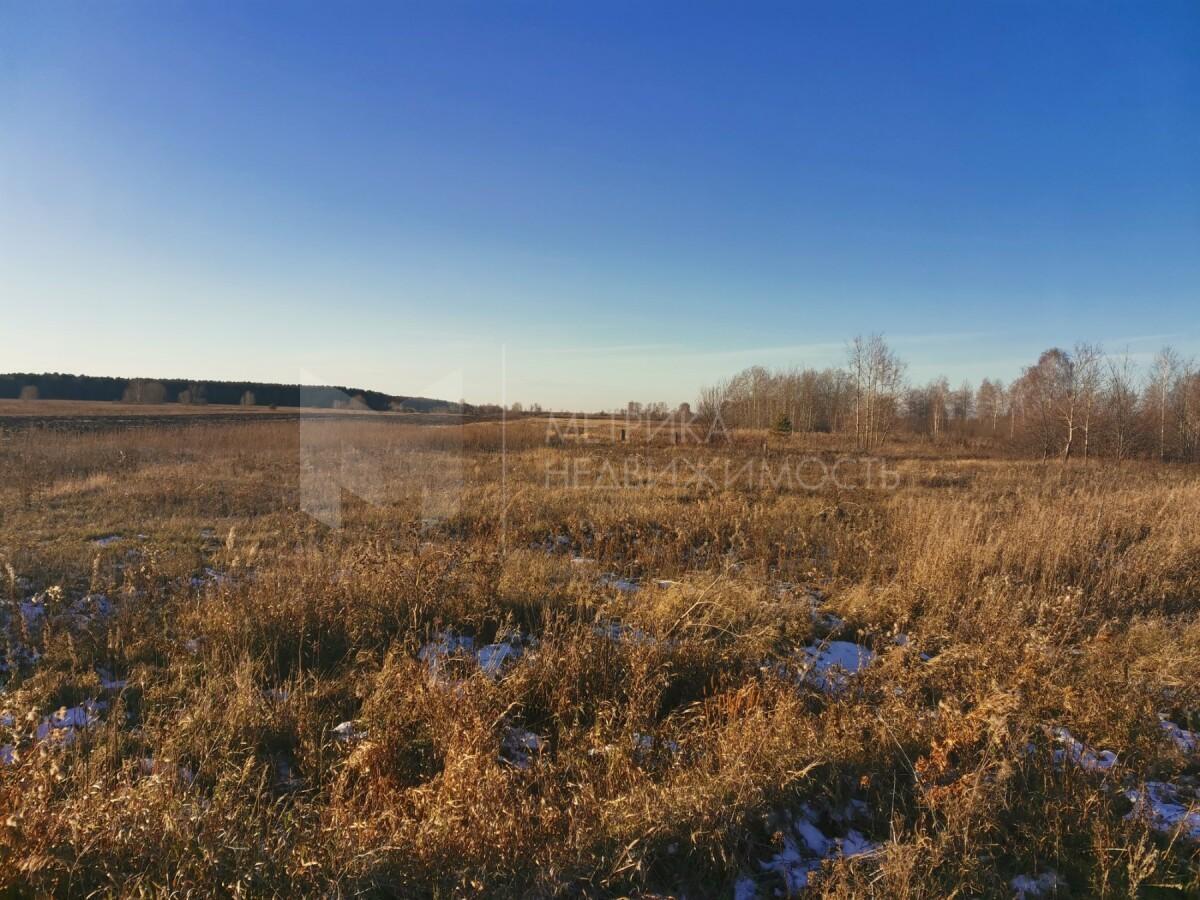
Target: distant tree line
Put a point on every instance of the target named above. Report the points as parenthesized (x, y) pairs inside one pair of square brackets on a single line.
[(55, 386), (1081, 403)]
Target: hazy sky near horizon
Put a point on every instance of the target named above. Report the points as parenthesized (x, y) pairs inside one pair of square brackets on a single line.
[(584, 203)]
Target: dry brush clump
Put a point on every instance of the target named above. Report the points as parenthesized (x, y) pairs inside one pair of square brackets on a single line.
[(558, 689)]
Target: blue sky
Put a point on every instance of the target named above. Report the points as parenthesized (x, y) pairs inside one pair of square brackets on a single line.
[(581, 204)]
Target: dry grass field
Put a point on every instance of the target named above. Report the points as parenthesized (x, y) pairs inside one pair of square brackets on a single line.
[(523, 667)]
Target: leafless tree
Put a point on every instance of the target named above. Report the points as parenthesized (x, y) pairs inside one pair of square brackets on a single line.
[(1088, 376), (1162, 378), (962, 406), (876, 374), (1048, 389), (990, 402), (1120, 403)]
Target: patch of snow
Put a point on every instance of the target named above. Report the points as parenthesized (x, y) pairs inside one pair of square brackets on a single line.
[(107, 540), (1030, 887), (792, 866), (1186, 741), (1166, 810), (17, 656), (211, 576), (830, 665), (519, 747), (446, 644), (854, 844), (745, 888), (1080, 753), (492, 657), (798, 860), (8, 755), (61, 726), (624, 585), (32, 610), (618, 633), (108, 683), (852, 809), (284, 778), (91, 607), (348, 732), (645, 743), (813, 836)]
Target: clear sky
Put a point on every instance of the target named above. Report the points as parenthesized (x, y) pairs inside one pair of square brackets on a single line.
[(603, 201)]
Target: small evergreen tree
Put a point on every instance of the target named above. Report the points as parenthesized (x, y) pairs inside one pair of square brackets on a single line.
[(782, 424)]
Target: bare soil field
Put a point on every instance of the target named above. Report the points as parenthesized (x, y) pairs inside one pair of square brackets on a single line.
[(85, 415), (281, 657)]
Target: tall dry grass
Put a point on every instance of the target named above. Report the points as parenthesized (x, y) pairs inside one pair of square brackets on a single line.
[(675, 737)]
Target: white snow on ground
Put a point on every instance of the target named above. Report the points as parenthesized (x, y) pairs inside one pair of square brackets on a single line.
[(61, 726), (807, 846), (618, 633), (284, 778), (519, 747), (792, 866), (348, 732), (829, 666), (1167, 809), (106, 540), (1080, 753), (89, 609), (32, 610), (813, 836), (645, 743), (491, 658), (1030, 887), (1186, 741), (8, 755), (211, 576), (1170, 809), (624, 585), (16, 656), (745, 888), (108, 683), (446, 644)]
